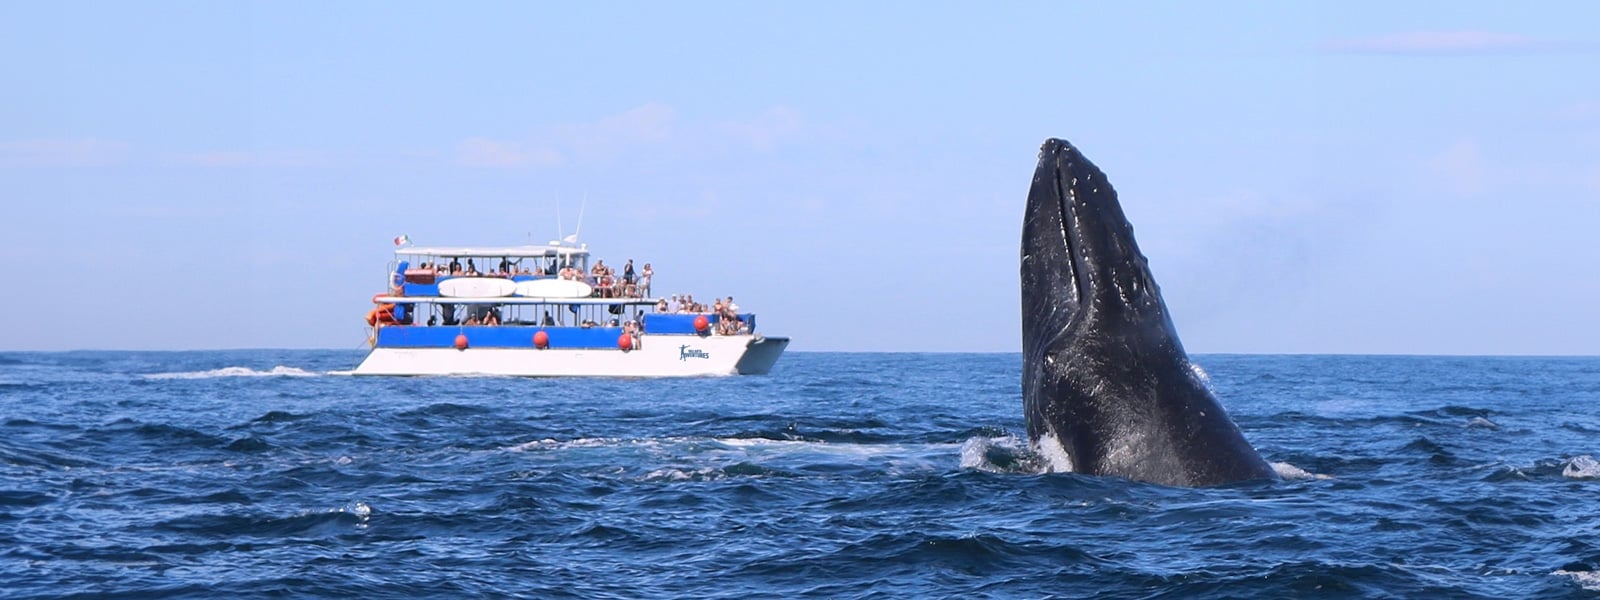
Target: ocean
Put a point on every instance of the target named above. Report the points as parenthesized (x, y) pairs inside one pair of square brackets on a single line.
[(249, 474)]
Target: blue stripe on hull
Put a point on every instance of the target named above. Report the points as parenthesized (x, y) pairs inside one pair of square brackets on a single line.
[(506, 336)]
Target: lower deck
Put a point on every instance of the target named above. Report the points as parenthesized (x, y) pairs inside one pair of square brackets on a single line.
[(493, 353)]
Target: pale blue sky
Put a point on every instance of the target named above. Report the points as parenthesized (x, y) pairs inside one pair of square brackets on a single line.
[(1304, 177)]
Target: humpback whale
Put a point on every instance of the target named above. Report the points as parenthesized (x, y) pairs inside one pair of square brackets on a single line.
[(1104, 378)]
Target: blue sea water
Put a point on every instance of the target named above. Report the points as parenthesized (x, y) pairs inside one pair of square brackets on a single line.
[(270, 474)]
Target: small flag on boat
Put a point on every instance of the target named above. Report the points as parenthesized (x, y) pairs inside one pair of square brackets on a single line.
[(402, 240)]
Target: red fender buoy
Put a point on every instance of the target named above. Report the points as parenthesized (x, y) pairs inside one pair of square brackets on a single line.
[(701, 323), (461, 341), (541, 340), (625, 342)]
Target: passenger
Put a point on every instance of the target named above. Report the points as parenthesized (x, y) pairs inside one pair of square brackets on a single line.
[(491, 318), (627, 272), (630, 290), (644, 280), (471, 320), (472, 270), (631, 328), (598, 269), (548, 320), (661, 306), (730, 316)]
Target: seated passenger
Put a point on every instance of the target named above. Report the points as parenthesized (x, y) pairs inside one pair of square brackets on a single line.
[(661, 306)]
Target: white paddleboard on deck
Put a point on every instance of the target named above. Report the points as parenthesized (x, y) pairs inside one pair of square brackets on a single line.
[(554, 288), (477, 287)]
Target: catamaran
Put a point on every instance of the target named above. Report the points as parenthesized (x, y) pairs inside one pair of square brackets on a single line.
[(542, 311)]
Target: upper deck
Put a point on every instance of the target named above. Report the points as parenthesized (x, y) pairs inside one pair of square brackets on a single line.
[(531, 286)]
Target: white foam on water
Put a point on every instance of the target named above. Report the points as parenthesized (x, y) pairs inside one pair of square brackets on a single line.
[(1588, 580), (975, 453), (1582, 467), (1292, 473), (1055, 455), (676, 474), (980, 453), (552, 444), (278, 371)]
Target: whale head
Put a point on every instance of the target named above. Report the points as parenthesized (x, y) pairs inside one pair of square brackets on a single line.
[(1104, 374)]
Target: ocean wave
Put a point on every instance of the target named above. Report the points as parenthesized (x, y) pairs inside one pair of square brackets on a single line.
[(1582, 467), (315, 523), (1003, 454), (278, 371), (1588, 580)]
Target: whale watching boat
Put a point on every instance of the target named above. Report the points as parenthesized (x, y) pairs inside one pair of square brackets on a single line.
[(544, 311)]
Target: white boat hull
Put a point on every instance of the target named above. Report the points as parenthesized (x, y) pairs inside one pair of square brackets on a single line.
[(656, 356)]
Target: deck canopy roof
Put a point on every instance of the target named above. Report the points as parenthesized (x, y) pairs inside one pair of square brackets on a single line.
[(492, 251)]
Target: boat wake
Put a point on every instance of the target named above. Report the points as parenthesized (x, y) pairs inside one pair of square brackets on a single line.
[(278, 371)]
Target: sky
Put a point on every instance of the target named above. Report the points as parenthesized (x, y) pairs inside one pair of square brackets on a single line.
[(1306, 177)]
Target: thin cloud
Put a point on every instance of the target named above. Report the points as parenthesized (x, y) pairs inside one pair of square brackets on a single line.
[(649, 124), (1446, 42), (250, 158), (84, 152), (765, 130), (485, 152), (652, 128), (1580, 111), (1461, 168)]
